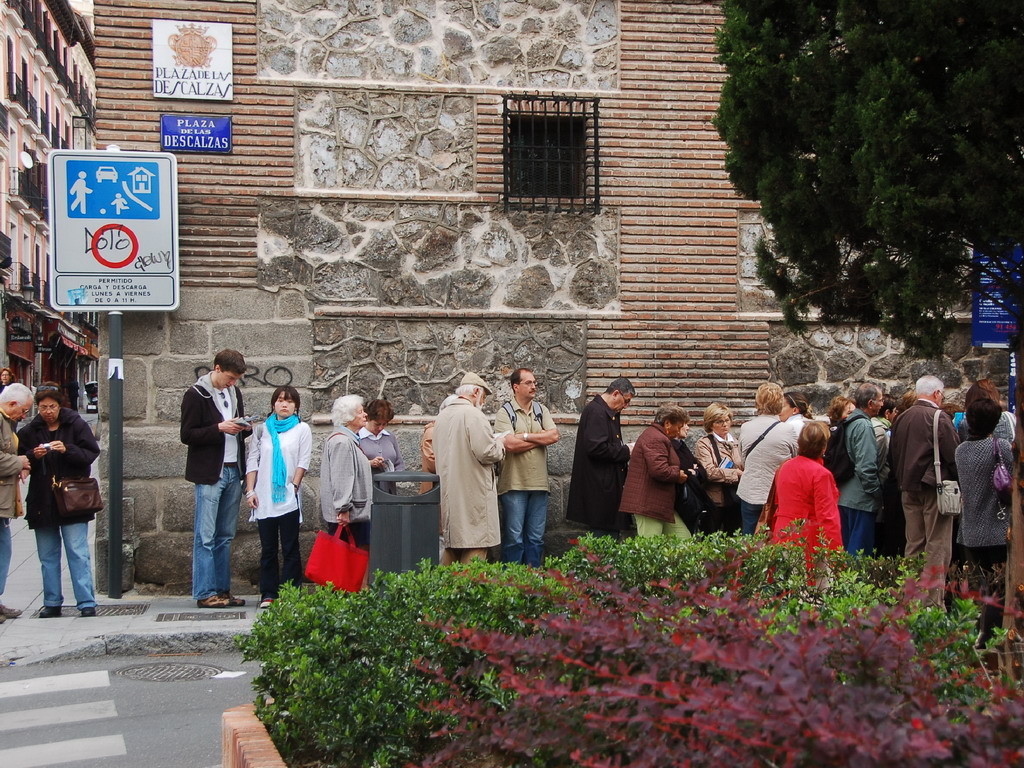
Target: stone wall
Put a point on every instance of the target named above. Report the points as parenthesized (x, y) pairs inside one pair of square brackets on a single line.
[(830, 361), (506, 43), (442, 256)]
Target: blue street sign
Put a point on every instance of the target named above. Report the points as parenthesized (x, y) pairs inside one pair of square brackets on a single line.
[(113, 188), (195, 133)]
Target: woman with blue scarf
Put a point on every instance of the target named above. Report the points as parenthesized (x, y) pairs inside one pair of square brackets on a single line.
[(277, 460)]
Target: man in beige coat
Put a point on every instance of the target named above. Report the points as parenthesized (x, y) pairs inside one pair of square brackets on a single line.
[(465, 451), (15, 403)]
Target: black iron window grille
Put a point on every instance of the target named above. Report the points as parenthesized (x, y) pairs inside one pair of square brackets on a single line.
[(551, 156)]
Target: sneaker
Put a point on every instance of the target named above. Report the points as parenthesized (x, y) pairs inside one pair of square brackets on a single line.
[(9, 613), (213, 601), (234, 602), (266, 602)]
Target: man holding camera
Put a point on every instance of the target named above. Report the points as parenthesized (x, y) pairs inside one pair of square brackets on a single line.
[(214, 428)]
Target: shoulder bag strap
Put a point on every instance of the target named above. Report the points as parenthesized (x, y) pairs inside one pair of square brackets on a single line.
[(757, 442), (714, 447), (935, 447)]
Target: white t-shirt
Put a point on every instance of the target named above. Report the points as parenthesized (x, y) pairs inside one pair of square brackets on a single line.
[(297, 449), (223, 401)]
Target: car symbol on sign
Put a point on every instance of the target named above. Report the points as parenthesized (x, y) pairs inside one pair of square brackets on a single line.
[(106, 173)]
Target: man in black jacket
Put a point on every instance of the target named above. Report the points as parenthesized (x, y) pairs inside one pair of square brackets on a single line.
[(212, 427), (599, 464)]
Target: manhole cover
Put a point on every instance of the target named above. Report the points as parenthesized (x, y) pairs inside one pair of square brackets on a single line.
[(165, 672)]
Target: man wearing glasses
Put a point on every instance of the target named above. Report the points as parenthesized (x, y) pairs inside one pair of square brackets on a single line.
[(15, 403), (599, 464), (214, 429), (523, 483)]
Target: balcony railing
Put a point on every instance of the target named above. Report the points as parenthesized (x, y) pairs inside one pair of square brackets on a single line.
[(26, 11), (16, 91), (5, 251), (32, 193), (32, 108), (4, 122), (44, 123)]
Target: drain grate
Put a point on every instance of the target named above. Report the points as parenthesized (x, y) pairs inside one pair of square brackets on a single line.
[(169, 672), (127, 609), (216, 616)]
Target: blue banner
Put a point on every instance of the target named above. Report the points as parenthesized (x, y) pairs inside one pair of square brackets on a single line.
[(991, 324)]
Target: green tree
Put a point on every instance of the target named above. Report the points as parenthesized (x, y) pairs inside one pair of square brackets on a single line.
[(884, 140)]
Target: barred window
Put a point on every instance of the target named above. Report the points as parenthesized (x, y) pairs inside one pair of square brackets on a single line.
[(551, 154)]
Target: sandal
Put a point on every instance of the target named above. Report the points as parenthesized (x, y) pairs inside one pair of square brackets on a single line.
[(213, 601), (234, 602)]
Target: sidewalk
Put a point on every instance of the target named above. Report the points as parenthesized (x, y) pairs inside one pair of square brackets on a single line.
[(135, 625)]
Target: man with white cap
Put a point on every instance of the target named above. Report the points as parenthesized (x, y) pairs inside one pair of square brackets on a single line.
[(466, 450)]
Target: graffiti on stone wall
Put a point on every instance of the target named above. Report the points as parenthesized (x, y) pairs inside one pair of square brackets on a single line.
[(385, 141), (504, 43), (417, 363), (274, 376), (450, 256)]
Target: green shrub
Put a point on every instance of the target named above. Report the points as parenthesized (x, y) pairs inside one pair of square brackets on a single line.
[(352, 679), (340, 682)]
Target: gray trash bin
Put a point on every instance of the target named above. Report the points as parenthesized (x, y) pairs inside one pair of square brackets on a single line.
[(405, 529)]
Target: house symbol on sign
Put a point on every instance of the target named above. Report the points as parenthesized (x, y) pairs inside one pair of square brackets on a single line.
[(142, 181)]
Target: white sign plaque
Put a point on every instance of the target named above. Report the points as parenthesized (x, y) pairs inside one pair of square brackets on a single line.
[(192, 60)]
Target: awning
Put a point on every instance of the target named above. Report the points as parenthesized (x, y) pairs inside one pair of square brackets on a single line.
[(71, 344)]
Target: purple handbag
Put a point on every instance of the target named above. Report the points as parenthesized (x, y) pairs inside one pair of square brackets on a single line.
[(1001, 479)]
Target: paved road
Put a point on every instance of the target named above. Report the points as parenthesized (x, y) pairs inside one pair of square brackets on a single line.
[(87, 714)]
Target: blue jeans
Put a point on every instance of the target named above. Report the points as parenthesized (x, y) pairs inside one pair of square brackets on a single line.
[(5, 551), (750, 514), (216, 521), (858, 528), (76, 544), (522, 527)]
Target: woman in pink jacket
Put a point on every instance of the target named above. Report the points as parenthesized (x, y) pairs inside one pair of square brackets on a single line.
[(806, 491)]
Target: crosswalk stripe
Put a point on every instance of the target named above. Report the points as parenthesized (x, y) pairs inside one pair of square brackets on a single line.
[(58, 752), (54, 683), (63, 715)]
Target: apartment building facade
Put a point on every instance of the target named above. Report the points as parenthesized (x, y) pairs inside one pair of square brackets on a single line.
[(49, 103)]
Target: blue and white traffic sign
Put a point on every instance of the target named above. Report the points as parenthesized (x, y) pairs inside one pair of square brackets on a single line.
[(113, 230)]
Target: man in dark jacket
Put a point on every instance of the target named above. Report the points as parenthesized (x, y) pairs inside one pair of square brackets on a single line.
[(599, 464), (212, 427), (914, 465)]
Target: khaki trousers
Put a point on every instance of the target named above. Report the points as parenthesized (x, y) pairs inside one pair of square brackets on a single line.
[(931, 533)]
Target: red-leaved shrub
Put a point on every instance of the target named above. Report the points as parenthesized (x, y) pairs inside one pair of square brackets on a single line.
[(695, 676)]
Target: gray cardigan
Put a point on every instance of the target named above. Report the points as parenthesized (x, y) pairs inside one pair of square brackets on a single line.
[(346, 479), (980, 525)]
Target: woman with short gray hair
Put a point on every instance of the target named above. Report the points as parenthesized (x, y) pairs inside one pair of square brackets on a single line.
[(346, 478)]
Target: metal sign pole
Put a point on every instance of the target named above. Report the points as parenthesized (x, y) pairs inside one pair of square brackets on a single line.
[(115, 453)]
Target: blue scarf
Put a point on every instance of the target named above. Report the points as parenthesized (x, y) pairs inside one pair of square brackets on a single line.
[(279, 473)]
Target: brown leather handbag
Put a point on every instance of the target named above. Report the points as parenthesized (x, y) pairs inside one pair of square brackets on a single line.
[(76, 496)]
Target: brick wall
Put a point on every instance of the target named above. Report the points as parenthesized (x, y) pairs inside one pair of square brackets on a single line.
[(217, 193)]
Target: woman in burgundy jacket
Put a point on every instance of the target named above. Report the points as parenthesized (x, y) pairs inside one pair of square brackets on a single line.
[(654, 472)]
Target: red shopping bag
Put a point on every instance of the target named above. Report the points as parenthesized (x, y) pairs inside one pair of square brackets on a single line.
[(337, 562)]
